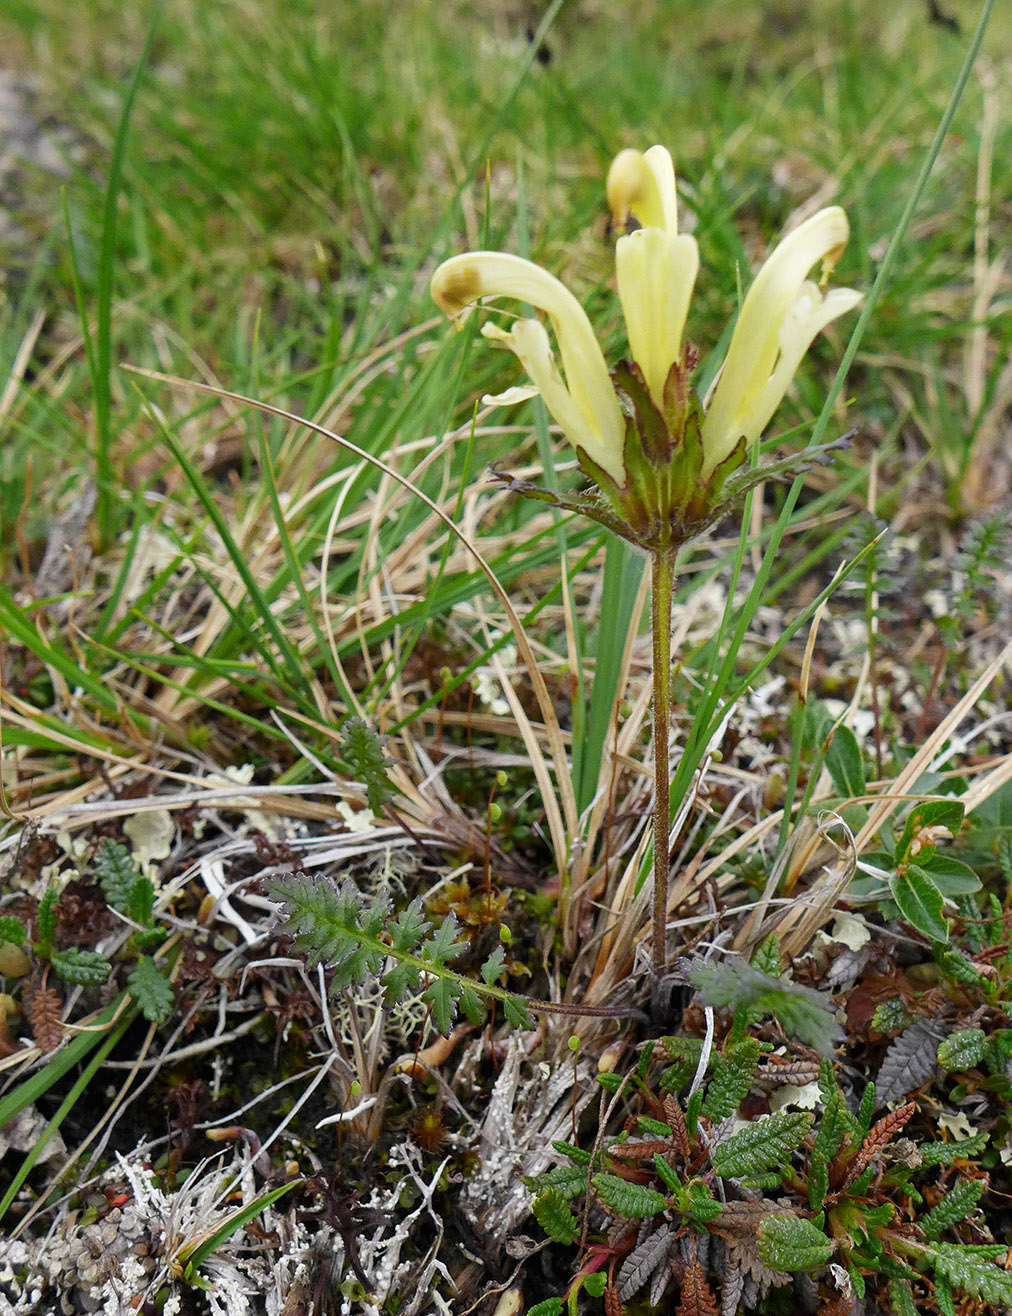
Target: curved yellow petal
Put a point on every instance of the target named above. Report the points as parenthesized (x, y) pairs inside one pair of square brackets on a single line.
[(585, 404), (656, 272), (781, 312), (642, 184)]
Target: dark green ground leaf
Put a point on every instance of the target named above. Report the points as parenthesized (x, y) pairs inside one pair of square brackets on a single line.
[(116, 873), (845, 764), (733, 1076), (441, 994), (11, 930), (635, 1200), (787, 1242), (957, 1205), (767, 1142), (963, 1049), (152, 990), (971, 1270), (920, 902), (944, 1153), (84, 968), (553, 1214)]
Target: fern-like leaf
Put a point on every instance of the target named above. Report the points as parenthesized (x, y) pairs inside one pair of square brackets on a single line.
[(635, 1200), (11, 930), (733, 1075), (362, 751), (553, 1214), (83, 968), (970, 1270), (787, 1242), (46, 921), (152, 990), (116, 873), (765, 1143), (957, 1205)]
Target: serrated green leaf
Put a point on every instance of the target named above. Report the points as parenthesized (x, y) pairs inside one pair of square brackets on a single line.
[(142, 901), (493, 966), (891, 1016), (767, 956), (553, 1214), (901, 1298), (958, 1204), (963, 1049), (971, 1271), (596, 1284), (408, 928), (945, 1153), (656, 1127), (399, 982), (46, 919), (84, 968), (765, 1143), (566, 1180), (920, 902), (362, 751), (550, 1307), (666, 1174), (635, 1200), (471, 1005), (11, 930), (576, 1154), (152, 990), (702, 1204), (116, 873), (771, 1179), (516, 1012), (609, 1081), (818, 1181), (866, 1111), (733, 1075), (787, 1242), (441, 947), (441, 994), (685, 1052)]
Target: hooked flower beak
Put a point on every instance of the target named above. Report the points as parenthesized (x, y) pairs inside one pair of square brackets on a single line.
[(656, 269)]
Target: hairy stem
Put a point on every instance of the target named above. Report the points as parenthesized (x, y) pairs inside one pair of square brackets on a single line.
[(660, 617)]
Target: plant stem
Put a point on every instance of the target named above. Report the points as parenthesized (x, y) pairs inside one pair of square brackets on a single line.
[(660, 618)]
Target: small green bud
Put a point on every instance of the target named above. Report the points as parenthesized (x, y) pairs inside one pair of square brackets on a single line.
[(501, 778), (505, 936), (494, 812), (574, 1043)]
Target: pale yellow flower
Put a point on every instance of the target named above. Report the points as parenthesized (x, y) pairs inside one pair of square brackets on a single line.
[(656, 269)]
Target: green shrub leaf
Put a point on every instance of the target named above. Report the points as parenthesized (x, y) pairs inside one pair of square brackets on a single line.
[(84, 968), (629, 1199), (766, 1143), (963, 1049), (920, 902), (553, 1214), (787, 1242)]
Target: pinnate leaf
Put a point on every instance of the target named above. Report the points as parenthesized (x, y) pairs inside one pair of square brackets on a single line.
[(787, 1242), (957, 1205), (117, 873), (553, 1214), (963, 1049), (84, 968), (766, 1143), (152, 990), (628, 1199)]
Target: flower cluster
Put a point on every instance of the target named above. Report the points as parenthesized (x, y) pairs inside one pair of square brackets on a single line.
[(664, 465)]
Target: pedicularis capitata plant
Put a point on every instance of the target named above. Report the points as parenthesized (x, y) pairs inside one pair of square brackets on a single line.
[(664, 463)]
